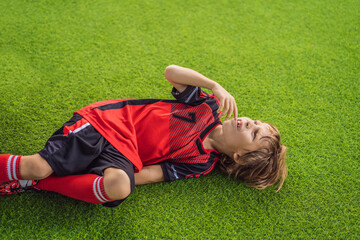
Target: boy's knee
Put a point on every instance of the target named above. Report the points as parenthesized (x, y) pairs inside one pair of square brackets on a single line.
[(35, 167), (117, 184)]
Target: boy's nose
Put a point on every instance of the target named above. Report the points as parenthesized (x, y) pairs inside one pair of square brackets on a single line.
[(248, 119)]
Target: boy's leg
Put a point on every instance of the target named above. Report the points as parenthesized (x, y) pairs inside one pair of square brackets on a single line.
[(34, 167), (16, 167), (91, 188), (109, 190), (118, 173), (117, 183), (68, 151)]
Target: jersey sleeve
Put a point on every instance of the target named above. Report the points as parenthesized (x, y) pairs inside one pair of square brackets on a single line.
[(192, 95), (174, 171)]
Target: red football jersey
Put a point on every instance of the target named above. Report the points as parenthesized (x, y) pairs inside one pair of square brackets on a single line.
[(149, 131)]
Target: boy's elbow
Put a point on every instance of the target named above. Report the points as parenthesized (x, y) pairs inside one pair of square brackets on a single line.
[(171, 67), (169, 70)]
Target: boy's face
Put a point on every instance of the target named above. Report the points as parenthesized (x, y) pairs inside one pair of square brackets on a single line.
[(244, 134)]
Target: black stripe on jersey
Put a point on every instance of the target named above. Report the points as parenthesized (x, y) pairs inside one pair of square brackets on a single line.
[(208, 128), (122, 104), (214, 107), (190, 119), (198, 144)]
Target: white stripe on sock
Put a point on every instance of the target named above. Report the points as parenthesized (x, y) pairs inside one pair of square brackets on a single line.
[(95, 190), (99, 190), (14, 168), (9, 167)]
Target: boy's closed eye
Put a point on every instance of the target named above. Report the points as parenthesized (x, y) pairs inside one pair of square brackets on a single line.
[(255, 133)]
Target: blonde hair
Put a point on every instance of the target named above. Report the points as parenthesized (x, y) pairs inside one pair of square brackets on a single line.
[(261, 168)]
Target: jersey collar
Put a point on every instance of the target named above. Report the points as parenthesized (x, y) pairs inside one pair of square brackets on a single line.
[(203, 135)]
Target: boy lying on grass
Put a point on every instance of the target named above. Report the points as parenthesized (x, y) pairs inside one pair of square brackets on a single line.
[(108, 147)]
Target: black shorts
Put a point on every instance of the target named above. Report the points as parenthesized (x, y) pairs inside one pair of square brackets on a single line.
[(78, 148)]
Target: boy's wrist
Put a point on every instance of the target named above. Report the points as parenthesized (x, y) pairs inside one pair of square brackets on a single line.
[(214, 86)]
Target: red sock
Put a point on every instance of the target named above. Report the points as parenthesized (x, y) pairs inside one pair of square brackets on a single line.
[(87, 187), (9, 167)]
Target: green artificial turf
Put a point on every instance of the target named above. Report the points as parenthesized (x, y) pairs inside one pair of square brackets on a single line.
[(292, 63)]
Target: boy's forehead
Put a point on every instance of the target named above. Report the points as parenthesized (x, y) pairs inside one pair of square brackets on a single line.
[(268, 127), (266, 133), (267, 130)]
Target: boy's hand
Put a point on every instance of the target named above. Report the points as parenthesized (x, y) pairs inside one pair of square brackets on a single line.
[(227, 101)]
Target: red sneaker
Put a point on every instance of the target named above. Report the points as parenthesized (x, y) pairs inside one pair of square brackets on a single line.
[(17, 186)]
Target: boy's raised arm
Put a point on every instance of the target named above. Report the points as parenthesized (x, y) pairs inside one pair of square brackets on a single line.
[(180, 77)]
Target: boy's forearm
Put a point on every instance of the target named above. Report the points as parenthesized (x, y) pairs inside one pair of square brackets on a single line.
[(181, 77), (187, 76), (149, 174)]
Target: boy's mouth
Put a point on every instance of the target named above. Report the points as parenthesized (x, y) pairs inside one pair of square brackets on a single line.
[(238, 123)]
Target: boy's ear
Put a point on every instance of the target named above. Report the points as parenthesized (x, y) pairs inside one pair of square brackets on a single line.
[(236, 157)]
